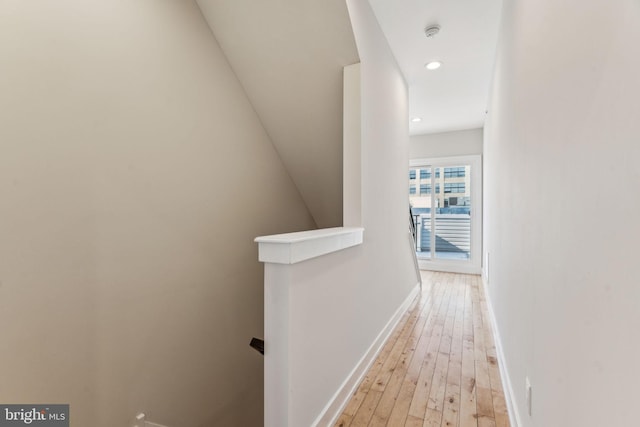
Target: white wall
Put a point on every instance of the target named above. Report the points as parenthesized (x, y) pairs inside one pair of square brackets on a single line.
[(342, 303), (134, 176), (387, 272), (356, 292), (288, 56), (446, 144), (562, 131), (351, 148)]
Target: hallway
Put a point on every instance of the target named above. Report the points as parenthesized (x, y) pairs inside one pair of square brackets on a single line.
[(439, 366)]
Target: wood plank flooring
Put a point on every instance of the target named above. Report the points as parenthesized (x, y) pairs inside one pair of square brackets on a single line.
[(438, 368)]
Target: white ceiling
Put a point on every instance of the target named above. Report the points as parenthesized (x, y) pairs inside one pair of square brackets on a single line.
[(455, 96)]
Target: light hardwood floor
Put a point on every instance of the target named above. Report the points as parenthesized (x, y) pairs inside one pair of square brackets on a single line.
[(439, 367)]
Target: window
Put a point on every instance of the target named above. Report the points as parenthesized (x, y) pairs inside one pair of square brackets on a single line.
[(426, 188), (447, 230), (454, 187), (412, 189), (412, 174), (426, 174), (458, 172)]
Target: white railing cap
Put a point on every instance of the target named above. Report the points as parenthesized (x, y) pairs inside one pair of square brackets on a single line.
[(291, 248)]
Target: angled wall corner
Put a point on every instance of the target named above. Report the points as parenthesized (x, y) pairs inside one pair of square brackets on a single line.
[(289, 57), (351, 148)]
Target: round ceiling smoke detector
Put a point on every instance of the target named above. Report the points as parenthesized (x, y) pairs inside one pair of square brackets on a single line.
[(431, 31)]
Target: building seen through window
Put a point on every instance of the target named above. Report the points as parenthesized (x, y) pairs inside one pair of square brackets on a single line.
[(451, 187), (449, 228)]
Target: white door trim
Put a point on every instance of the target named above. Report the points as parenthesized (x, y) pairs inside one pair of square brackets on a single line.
[(474, 264)]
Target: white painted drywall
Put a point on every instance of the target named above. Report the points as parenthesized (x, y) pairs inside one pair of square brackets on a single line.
[(134, 175), (314, 329), (299, 350), (348, 297), (351, 148), (289, 56), (341, 303), (387, 272), (561, 208), (446, 144)]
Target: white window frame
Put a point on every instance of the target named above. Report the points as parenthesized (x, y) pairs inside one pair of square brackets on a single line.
[(474, 264)]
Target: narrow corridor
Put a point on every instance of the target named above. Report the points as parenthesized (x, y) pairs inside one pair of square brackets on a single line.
[(439, 366)]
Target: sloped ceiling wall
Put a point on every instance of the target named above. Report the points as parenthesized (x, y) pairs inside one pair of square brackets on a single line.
[(289, 55)]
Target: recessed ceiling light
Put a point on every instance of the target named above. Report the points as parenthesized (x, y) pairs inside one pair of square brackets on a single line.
[(416, 119), (434, 65)]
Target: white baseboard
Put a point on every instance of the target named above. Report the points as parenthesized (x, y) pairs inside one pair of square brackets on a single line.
[(514, 415), (338, 402)]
